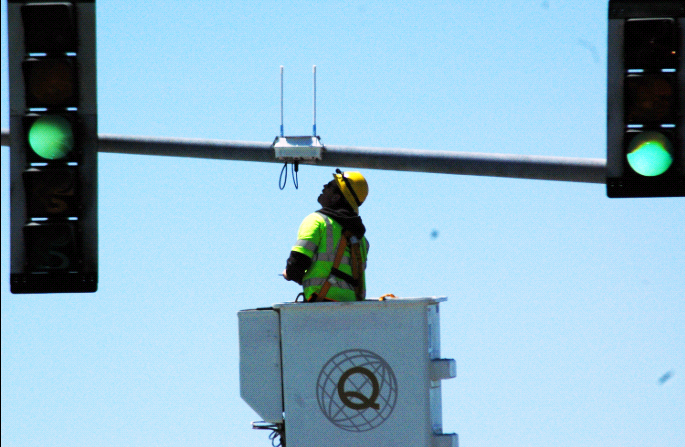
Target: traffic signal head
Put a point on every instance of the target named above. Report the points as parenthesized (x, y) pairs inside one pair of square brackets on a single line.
[(53, 146), (645, 99)]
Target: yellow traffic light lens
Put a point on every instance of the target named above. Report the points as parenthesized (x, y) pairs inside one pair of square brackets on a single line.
[(51, 137), (650, 154), (650, 98), (50, 82)]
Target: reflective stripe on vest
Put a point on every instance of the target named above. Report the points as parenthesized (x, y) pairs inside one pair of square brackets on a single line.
[(309, 245), (334, 280), (330, 257)]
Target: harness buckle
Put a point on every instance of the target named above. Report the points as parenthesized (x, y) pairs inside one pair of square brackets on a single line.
[(332, 279)]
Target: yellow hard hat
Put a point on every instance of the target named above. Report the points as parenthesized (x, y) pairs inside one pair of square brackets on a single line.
[(353, 187)]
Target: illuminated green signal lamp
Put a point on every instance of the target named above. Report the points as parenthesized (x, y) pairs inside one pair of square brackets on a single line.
[(650, 154), (51, 137)]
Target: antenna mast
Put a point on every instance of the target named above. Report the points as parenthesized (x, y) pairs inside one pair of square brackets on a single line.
[(314, 124), (281, 100)]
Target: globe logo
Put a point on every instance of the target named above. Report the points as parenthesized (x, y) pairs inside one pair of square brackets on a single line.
[(356, 390)]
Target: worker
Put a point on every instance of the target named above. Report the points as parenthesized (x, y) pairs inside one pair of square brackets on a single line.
[(329, 257)]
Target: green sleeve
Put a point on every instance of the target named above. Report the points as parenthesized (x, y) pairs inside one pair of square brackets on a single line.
[(309, 235)]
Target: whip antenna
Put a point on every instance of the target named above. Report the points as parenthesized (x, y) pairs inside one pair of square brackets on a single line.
[(281, 100), (314, 124)]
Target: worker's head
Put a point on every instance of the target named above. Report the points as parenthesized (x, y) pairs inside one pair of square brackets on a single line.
[(352, 186), (346, 190), (331, 196)]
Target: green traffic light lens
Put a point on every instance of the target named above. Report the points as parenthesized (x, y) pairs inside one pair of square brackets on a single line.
[(650, 154), (51, 137)]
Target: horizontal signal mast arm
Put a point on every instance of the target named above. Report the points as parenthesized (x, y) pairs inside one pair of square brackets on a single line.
[(584, 170)]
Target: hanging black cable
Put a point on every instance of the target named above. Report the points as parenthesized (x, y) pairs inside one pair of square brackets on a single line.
[(283, 178), (281, 185), (294, 168)]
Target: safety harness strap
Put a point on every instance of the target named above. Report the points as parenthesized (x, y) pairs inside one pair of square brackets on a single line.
[(356, 261), (355, 280)]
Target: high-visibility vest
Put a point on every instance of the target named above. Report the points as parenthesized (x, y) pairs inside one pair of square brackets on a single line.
[(318, 238)]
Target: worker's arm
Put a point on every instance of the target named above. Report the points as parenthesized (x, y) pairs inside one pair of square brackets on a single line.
[(296, 267), (308, 238)]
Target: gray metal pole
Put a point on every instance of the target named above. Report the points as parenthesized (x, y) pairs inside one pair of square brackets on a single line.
[(585, 170)]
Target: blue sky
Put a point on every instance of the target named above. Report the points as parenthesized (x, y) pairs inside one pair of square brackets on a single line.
[(564, 307)]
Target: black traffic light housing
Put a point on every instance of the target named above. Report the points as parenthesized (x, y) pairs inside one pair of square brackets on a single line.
[(53, 147), (646, 99)]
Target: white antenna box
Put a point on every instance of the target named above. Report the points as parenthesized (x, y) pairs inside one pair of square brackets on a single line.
[(298, 148)]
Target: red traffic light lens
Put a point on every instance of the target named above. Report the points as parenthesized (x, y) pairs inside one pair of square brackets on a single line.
[(651, 44), (49, 28)]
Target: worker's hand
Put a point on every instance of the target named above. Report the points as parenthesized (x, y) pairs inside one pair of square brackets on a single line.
[(285, 275)]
